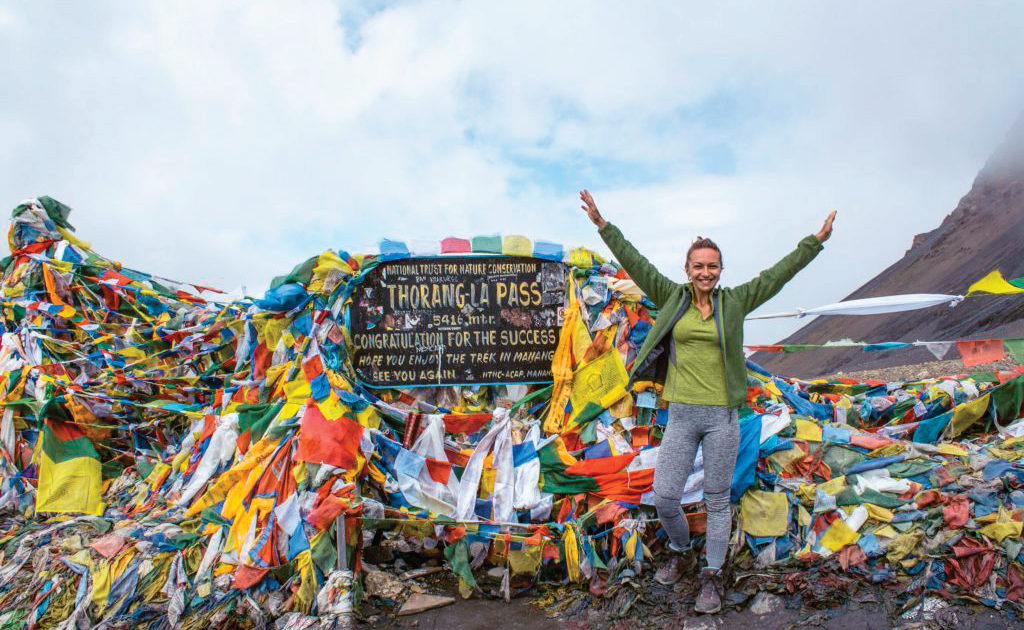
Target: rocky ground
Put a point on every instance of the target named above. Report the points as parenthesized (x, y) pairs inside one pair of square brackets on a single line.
[(642, 604), (931, 369)]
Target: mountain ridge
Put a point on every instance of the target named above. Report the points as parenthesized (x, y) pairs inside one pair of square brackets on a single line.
[(985, 231)]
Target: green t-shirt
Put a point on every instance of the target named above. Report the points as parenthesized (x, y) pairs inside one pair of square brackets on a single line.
[(698, 377)]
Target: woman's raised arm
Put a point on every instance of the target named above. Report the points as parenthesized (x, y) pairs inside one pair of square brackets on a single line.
[(646, 276)]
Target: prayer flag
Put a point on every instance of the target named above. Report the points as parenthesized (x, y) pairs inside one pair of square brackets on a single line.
[(323, 441), (69, 471), (978, 351), (994, 283)]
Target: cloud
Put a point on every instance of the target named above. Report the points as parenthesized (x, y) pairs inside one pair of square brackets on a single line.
[(225, 142)]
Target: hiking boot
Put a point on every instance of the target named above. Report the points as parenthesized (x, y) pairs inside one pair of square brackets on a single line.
[(679, 564), (710, 598)]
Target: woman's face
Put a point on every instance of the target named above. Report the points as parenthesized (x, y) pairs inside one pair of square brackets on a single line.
[(704, 266)]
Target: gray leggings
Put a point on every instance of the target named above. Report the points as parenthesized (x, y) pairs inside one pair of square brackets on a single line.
[(717, 428)]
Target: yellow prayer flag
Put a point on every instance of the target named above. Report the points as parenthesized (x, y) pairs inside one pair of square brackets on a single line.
[(572, 554), (807, 430), (833, 485), (952, 450), (308, 586), (879, 513), (838, 535), (902, 545), (968, 413), (994, 283), (1003, 526), (516, 245), (765, 513)]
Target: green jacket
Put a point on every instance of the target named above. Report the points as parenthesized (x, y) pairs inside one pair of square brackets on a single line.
[(731, 306)]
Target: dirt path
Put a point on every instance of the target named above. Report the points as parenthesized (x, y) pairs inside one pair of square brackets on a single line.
[(646, 605)]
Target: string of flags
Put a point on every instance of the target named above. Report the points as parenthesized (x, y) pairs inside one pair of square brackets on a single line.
[(972, 351), (168, 460), (992, 284)]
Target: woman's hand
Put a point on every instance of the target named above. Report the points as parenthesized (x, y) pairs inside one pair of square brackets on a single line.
[(823, 233), (591, 209)]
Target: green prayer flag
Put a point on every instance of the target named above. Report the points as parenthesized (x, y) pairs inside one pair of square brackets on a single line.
[(798, 347), (1008, 399), (1016, 348), (458, 555)]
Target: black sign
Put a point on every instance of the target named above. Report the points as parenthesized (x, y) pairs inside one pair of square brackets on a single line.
[(458, 320)]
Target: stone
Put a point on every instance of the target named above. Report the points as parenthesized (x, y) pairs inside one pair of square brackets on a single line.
[(766, 603), (703, 622), (378, 555), (384, 585), (421, 602), (418, 573)]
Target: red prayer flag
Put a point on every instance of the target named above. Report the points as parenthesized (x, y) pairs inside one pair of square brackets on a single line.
[(313, 367), (261, 360), (979, 351), (628, 486), (455, 456), (327, 512), (764, 348), (956, 512), (188, 297), (323, 441), (465, 423), (440, 471), (452, 245), (600, 465), (247, 577)]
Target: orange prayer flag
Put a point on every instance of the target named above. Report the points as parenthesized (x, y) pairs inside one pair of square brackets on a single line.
[(51, 286), (641, 436), (698, 522), (764, 348), (979, 351)]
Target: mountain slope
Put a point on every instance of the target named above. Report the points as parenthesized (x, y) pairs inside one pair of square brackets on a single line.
[(984, 232)]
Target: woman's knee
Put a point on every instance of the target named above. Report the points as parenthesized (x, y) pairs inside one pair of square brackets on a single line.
[(665, 504), (669, 483), (717, 502)]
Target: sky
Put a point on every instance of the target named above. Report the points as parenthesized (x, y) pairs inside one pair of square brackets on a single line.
[(224, 142)]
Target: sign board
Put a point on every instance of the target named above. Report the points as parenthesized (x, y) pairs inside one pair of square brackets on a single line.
[(457, 320)]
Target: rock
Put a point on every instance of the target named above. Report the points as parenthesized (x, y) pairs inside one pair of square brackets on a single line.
[(420, 602), (735, 597), (400, 545), (929, 609), (703, 622), (418, 573), (295, 621), (766, 603), (378, 555), (383, 585)]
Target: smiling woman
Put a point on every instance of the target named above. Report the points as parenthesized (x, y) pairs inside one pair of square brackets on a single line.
[(705, 384), (703, 267)]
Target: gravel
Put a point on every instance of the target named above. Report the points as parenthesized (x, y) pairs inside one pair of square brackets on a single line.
[(931, 369)]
